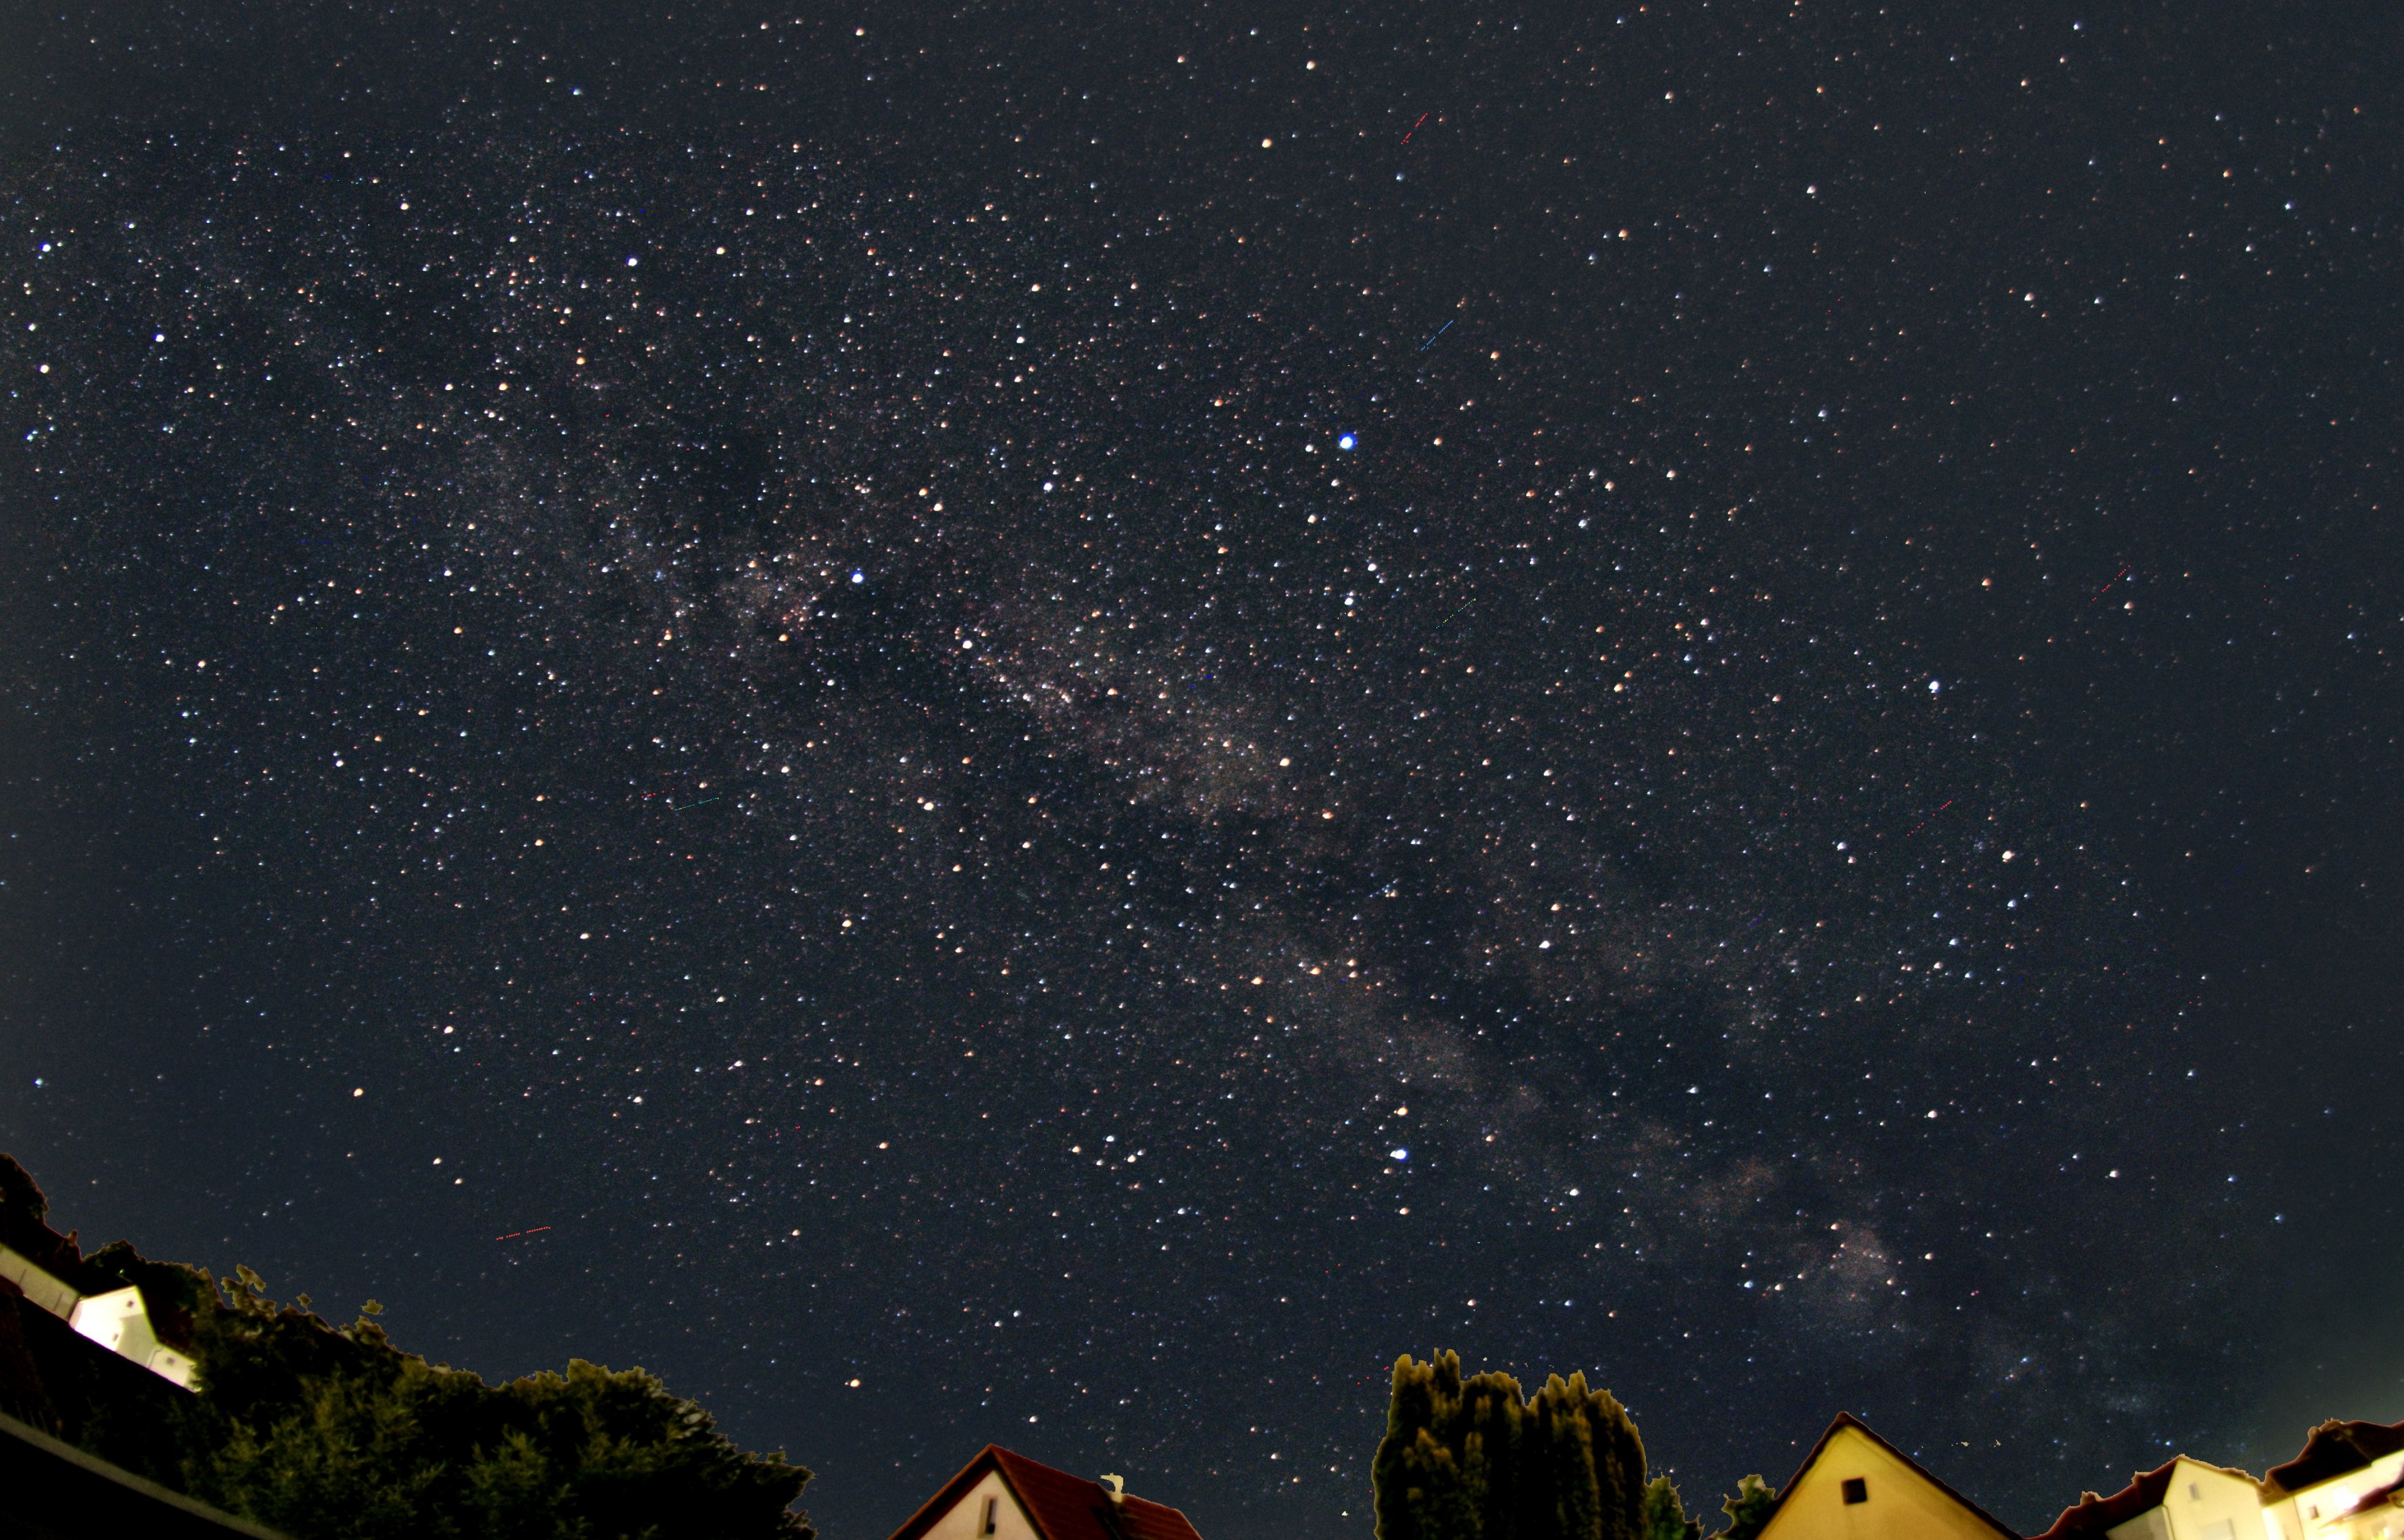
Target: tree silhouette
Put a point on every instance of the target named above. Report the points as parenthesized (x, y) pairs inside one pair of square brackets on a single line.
[(1475, 1460), (1749, 1509), (1665, 1513)]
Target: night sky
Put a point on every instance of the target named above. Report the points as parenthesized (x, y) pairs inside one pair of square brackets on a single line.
[(1052, 724)]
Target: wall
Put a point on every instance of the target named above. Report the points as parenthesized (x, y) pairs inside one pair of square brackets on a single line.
[(1903, 1503), (1010, 1520)]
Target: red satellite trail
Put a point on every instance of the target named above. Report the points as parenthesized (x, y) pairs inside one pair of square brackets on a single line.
[(2107, 587), (515, 1233), (1925, 822), (1414, 128)]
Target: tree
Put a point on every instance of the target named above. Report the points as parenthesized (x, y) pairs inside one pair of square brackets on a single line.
[(1665, 1513), (340, 1435), (1749, 1511), (1475, 1460)]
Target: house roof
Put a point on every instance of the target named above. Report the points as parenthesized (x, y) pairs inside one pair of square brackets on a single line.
[(1062, 1506), (2331, 1450), (1847, 1420), (2145, 1492), (2095, 1513)]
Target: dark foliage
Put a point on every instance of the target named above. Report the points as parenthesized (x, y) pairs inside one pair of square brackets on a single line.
[(1665, 1513), (1473, 1460), (1749, 1511)]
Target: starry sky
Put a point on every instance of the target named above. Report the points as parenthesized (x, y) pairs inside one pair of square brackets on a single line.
[(1052, 724)]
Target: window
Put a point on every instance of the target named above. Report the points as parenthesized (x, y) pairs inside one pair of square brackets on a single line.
[(2193, 1493), (1856, 1489), (992, 1506)]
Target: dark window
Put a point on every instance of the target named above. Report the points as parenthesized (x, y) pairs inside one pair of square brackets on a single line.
[(991, 1503), (1856, 1489)]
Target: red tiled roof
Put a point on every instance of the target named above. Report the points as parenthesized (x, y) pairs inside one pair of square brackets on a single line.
[(2145, 1492), (2095, 1514), (1063, 1507)]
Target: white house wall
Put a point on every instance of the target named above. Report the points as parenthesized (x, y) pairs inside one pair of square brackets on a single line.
[(2318, 1513), (38, 1286), (2200, 1502), (2152, 1524), (965, 1520)]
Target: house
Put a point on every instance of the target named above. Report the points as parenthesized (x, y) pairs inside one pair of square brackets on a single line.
[(2185, 1499), (2343, 1486), (114, 1318), (999, 1495), (1856, 1486), (2348, 1484)]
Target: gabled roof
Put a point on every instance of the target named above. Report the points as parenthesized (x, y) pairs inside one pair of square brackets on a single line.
[(2143, 1494), (1847, 1420), (1062, 1506), (2333, 1449)]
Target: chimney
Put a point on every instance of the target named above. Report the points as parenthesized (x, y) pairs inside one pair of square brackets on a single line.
[(1118, 1488)]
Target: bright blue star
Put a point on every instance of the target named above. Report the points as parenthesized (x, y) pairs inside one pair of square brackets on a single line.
[(859, 577), (1344, 442)]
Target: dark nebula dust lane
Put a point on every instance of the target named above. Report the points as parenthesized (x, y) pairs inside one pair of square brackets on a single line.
[(1050, 726)]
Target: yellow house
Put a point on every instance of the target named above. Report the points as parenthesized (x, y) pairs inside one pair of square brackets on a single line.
[(2185, 1499), (1856, 1486)]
